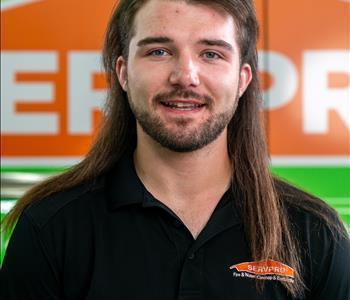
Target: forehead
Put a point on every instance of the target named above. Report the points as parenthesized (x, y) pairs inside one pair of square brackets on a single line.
[(181, 19)]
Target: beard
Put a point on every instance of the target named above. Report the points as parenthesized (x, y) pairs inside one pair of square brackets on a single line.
[(185, 138)]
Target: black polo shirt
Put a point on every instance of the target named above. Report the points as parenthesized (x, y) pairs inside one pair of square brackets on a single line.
[(111, 239)]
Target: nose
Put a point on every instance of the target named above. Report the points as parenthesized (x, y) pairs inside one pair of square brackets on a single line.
[(185, 72)]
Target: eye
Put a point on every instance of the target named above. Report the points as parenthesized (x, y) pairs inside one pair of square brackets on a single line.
[(158, 53), (211, 55)]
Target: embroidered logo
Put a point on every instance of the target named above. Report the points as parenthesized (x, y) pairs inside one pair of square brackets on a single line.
[(265, 270)]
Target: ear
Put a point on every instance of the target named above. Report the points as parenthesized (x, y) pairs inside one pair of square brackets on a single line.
[(120, 68), (245, 78)]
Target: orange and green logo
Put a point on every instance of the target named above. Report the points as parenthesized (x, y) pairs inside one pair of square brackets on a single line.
[(265, 269)]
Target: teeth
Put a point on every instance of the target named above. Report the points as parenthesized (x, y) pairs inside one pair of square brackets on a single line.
[(182, 105)]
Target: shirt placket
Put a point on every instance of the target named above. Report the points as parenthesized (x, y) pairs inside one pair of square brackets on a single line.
[(191, 252), (191, 276)]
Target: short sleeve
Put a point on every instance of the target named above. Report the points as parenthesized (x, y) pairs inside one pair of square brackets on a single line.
[(26, 271)]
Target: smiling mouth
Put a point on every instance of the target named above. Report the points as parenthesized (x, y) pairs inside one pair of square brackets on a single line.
[(182, 105)]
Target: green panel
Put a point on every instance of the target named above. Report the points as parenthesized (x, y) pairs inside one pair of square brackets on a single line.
[(40, 170), (332, 184), (321, 181), (4, 240)]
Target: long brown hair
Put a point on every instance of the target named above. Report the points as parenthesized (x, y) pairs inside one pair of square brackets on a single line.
[(265, 221)]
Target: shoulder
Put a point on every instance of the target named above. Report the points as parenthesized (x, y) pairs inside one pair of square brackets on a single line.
[(323, 242), (79, 197), (300, 205), (317, 226)]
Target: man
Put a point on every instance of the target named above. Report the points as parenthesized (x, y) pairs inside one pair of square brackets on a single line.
[(175, 200)]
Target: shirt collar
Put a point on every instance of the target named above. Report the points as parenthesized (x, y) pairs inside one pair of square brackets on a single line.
[(123, 185), (125, 188)]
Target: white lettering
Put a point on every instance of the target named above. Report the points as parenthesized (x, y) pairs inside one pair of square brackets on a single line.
[(285, 79), (83, 100), (319, 99), (12, 92)]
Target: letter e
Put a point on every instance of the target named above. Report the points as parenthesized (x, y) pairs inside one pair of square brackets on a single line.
[(24, 123)]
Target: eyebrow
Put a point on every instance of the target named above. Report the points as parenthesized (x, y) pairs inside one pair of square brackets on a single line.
[(165, 40), (219, 43), (154, 40)]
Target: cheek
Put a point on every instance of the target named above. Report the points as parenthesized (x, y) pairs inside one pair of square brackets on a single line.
[(141, 90), (223, 88), (146, 84), (137, 84)]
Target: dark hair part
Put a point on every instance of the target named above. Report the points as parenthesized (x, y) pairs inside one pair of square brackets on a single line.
[(265, 220)]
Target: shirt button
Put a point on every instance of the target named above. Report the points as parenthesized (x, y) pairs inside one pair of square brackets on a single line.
[(191, 256)]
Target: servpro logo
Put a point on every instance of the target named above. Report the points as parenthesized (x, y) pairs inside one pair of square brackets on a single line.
[(266, 270)]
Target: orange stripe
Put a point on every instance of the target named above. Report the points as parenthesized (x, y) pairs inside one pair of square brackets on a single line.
[(265, 267)]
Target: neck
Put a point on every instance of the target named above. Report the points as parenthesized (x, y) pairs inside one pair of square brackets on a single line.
[(184, 180)]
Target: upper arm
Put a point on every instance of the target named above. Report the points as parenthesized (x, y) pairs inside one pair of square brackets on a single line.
[(27, 272), (333, 268)]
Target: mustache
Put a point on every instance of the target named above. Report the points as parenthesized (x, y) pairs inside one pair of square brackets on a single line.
[(184, 94)]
